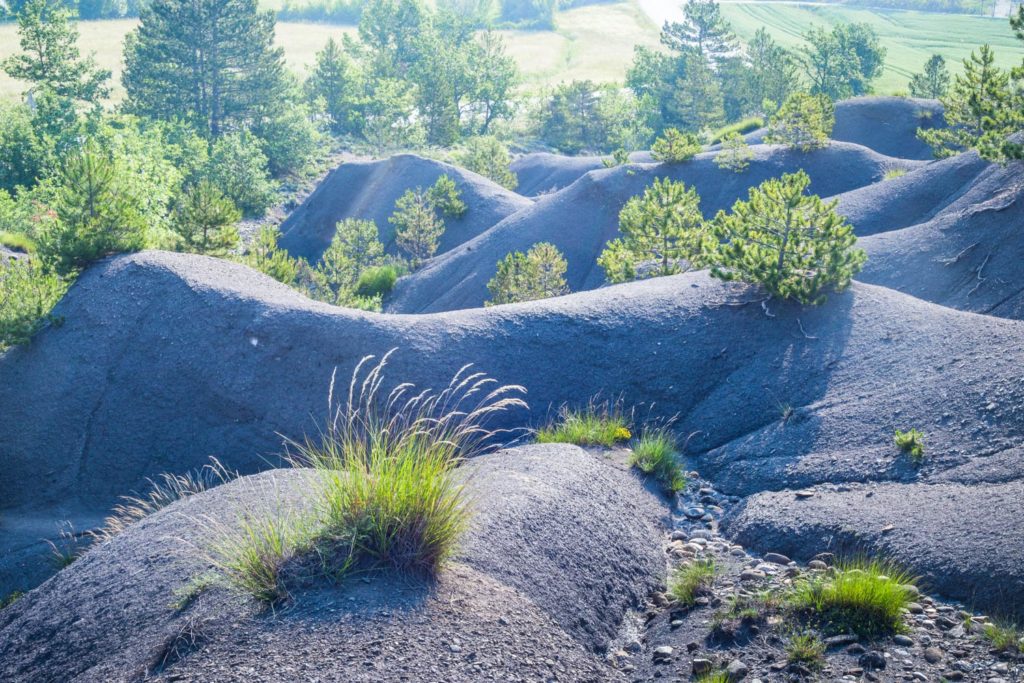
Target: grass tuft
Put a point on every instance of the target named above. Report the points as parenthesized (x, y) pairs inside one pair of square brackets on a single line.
[(894, 173), (866, 597), (377, 281), (596, 425), (11, 599), (742, 127), (1005, 638), (689, 580), (911, 443), (713, 677), (806, 649), (384, 487), (655, 454), (16, 241)]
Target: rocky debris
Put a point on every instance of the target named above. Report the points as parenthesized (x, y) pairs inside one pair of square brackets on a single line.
[(935, 646)]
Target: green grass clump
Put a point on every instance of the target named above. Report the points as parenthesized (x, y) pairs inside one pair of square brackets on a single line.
[(713, 677), (894, 173), (688, 580), (806, 649), (377, 281), (16, 241), (1005, 638), (866, 597), (655, 454), (742, 127), (596, 425), (911, 443), (11, 599), (384, 488)]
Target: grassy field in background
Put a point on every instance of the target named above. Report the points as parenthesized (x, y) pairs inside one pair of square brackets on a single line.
[(910, 37), (596, 42)]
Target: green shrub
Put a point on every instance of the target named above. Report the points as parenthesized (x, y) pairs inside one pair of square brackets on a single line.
[(735, 154), (791, 243), (418, 228), (377, 281), (1005, 638), (866, 597), (803, 122), (385, 489), (911, 443), (28, 294), (674, 147), (620, 157), (655, 454), (894, 173), (444, 194), (264, 254), (486, 155), (595, 425), (689, 580), (806, 649), (238, 167), (205, 220), (537, 274)]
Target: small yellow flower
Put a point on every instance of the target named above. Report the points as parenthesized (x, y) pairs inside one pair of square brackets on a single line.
[(622, 434)]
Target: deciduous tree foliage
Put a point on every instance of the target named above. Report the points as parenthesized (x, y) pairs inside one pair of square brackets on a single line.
[(844, 61), (793, 244)]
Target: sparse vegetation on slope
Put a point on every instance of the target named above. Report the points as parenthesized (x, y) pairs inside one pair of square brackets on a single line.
[(688, 581), (655, 453), (910, 442), (384, 486), (866, 597), (537, 274), (598, 424)]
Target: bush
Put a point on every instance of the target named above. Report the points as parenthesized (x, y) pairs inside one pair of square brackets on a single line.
[(238, 167), (446, 198), (377, 281), (806, 649), (264, 255), (911, 443), (24, 154), (354, 248), (655, 454), (794, 245), (894, 173), (486, 155), (205, 220), (418, 228), (674, 147), (866, 597), (28, 294), (690, 580), (385, 492), (1005, 638), (735, 154), (537, 274), (803, 122), (663, 233), (595, 425)]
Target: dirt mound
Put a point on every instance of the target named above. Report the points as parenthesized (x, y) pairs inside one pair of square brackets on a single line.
[(368, 190), (968, 255), (888, 125), (190, 357), (581, 219), (543, 173), (562, 544)]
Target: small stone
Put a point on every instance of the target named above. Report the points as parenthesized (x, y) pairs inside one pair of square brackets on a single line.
[(751, 575), (455, 648), (841, 640), (694, 512), (805, 494), (872, 659), (915, 608), (817, 564), (903, 640), (777, 558), (663, 651), (736, 670), (953, 675), (678, 535), (701, 666), (888, 528), (660, 599)]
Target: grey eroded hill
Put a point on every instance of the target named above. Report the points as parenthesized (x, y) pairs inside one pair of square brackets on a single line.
[(190, 357), (562, 544), (368, 190), (968, 255), (581, 219), (542, 173), (888, 125)]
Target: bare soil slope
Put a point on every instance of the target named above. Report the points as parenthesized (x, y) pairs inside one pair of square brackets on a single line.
[(561, 546), (368, 190), (190, 357)]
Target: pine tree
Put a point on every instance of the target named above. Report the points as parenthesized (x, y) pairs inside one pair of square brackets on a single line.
[(354, 249), (773, 71), (50, 58), (791, 243), (334, 82), (933, 82), (704, 32), (418, 228), (977, 110), (735, 154), (537, 274), (212, 62), (205, 220), (95, 217), (803, 122), (487, 156), (663, 233), (697, 101), (264, 254), (674, 147)]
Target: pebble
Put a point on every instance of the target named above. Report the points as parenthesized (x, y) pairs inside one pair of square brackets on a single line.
[(903, 640), (694, 512), (701, 666), (872, 659), (751, 575), (915, 608), (777, 558), (817, 564), (841, 640), (737, 670)]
